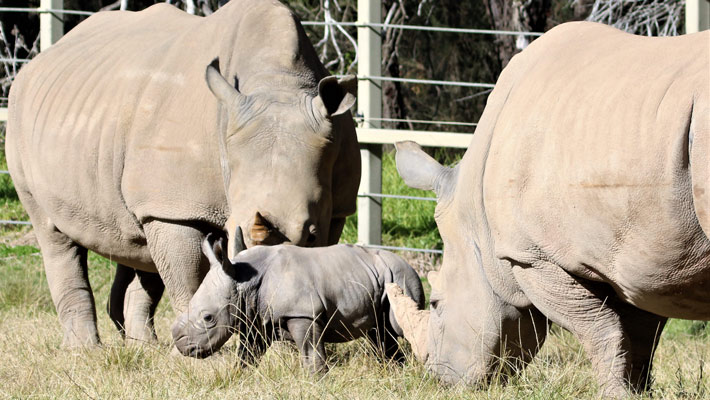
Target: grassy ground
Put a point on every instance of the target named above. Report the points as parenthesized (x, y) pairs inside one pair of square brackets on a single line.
[(35, 366)]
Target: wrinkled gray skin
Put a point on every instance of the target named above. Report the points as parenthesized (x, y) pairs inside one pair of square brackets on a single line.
[(309, 296), (139, 133), (583, 198)]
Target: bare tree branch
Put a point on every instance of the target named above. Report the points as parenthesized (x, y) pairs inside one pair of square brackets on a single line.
[(641, 17)]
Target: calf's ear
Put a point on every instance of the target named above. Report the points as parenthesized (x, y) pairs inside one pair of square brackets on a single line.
[(419, 170), (210, 249)]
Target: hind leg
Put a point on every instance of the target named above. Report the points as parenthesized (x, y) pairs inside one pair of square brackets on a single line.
[(66, 270)]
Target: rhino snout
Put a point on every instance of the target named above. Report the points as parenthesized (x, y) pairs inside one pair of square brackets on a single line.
[(185, 342), (180, 334)]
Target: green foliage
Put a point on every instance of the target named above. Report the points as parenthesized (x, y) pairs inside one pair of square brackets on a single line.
[(10, 206), (22, 283), (405, 223)]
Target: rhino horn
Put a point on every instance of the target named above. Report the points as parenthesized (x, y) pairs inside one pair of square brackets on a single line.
[(260, 229), (413, 321), (237, 242)]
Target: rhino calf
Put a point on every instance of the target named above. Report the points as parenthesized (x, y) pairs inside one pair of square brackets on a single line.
[(306, 295)]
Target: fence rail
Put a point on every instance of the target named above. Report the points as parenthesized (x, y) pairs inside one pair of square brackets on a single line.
[(369, 134)]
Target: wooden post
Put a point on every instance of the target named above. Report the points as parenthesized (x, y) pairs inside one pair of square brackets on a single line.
[(369, 106), (51, 25), (697, 15)]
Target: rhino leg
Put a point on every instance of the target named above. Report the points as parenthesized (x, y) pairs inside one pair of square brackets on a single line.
[(384, 339), (602, 323), (114, 306), (142, 297), (308, 335), (643, 330), (176, 252), (253, 343), (66, 269)]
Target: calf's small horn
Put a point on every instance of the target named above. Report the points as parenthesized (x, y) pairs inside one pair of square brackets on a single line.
[(413, 321), (237, 242)]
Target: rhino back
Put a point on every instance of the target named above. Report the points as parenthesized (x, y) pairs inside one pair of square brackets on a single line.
[(339, 283), (393, 268), (114, 125), (588, 164)]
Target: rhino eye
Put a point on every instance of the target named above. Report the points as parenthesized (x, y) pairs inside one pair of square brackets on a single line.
[(208, 318)]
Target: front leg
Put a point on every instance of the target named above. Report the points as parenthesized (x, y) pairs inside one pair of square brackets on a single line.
[(383, 338), (141, 299), (253, 343), (176, 251), (644, 332), (618, 338), (308, 335)]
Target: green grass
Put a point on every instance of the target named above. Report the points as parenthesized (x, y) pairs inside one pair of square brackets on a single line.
[(10, 206), (405, 223), (35, 366)]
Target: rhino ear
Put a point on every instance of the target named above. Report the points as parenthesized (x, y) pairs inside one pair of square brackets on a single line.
[(433, 278), (212, 249), (221, 89), (336, 96), (419, 170)]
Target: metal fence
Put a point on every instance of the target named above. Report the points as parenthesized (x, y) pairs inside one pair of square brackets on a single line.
[(369, 105)]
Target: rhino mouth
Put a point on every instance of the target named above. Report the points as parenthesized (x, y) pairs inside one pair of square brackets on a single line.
[(192, 349), (197, 351)]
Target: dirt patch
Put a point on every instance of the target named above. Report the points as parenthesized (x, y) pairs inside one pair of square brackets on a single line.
[(20, 238), (422, 262)]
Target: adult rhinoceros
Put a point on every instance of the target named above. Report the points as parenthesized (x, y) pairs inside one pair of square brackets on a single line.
[(117, 144), (583, 198)]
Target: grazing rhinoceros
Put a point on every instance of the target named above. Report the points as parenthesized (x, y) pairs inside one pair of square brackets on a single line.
[(583, 198), (309, 296), (117, 144)]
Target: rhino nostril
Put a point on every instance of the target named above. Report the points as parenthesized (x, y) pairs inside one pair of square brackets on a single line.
[(312, 234)]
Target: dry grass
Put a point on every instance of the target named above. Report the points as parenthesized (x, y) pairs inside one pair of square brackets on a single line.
[(35, 366)]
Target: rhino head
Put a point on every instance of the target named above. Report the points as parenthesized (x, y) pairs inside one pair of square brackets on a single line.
[(471, 329), (213, 313), (290, 160)]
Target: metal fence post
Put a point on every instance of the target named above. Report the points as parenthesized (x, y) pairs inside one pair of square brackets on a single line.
[(369, 106), (51, 25), (697, 15)]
